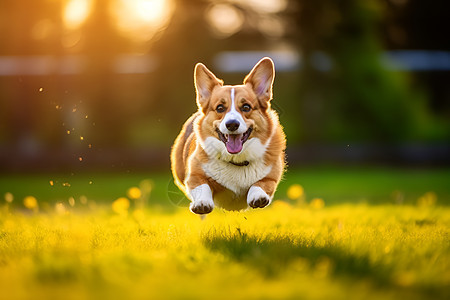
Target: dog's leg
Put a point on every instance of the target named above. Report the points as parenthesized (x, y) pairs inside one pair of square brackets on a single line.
[(202, 200), (198, 190), (260, 194)]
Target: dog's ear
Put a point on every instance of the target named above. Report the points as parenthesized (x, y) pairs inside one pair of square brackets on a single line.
[(205, 82), (261, 79)]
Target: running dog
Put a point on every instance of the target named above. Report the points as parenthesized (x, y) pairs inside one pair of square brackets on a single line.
[(231, 152)]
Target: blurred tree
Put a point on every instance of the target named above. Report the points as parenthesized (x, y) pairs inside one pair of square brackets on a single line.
[(184, 42), (190, 38), (340, 93), (102, 45), (416, 25), (26, 32), (345, 92)]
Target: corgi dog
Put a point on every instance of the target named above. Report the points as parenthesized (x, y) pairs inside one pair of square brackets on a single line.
[(231, 152)]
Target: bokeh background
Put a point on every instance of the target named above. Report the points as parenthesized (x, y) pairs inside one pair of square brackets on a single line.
[(94, 92), (105, 85)]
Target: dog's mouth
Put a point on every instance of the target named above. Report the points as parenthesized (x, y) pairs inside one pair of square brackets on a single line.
[(234, 142)]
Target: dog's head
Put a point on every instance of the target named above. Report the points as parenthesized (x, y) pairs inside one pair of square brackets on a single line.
[(233, 115)]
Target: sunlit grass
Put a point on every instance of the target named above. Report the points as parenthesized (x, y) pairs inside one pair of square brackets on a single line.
[(122, 238), (342, 252)]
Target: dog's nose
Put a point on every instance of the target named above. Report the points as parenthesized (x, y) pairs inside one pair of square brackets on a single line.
[(232, 125)]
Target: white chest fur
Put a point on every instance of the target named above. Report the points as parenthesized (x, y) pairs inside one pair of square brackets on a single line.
[(237, 179)]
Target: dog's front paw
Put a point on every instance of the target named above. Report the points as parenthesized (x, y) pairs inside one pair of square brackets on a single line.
[(257, 198), (201, 207), (202, 201)]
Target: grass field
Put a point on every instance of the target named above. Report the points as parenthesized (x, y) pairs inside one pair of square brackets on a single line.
[(341, 234)]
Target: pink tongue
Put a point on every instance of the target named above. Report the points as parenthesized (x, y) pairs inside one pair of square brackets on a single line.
[(234, 144)]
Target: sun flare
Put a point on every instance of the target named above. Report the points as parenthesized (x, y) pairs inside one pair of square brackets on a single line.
[(137, 19), (76, 12), (140, 19)]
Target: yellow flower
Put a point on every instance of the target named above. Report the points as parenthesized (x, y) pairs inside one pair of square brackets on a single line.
[(138, 215), (60, 208), (280, 204), (317, 203), (30, 202), (83, 199), (134, 193), (9, 197), (295, 191), (146, 186), (120, 206), (428, 199)]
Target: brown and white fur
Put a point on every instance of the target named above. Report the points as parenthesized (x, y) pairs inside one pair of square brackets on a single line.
[(230, 153)]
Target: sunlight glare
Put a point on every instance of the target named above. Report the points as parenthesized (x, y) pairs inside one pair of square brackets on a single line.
[(76, 12), (225, 19), (140, 19), (268, 6), (149, 11)]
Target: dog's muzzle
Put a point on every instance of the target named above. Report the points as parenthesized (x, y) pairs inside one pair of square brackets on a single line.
[(234, 142)]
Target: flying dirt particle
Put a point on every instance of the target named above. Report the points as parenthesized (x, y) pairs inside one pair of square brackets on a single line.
[(41, 89), (51, 182), (81, 138), (90, 146), (80, 158), (90, 182), (66, 184), (68, 131), (74, 109), (86, 116)]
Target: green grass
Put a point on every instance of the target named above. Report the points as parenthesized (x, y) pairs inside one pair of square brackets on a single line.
[(373, 239), (334, 185)]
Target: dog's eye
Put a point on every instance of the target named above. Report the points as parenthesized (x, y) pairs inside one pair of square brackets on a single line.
[(246, 108), (220, 108)]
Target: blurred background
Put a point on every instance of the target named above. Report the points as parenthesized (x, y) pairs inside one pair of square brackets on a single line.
[(94, 92), (106, 85)]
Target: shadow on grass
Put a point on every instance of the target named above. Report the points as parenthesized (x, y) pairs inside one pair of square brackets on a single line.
[(273, 255)]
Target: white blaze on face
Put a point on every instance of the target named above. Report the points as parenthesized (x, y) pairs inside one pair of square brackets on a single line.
[(233, 114)]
